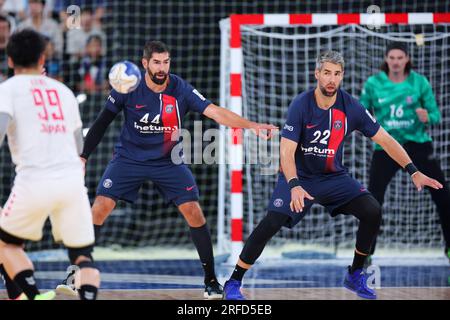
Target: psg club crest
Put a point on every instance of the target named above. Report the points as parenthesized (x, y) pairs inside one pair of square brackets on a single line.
[(278, 203), (337, 124), (107, 183), (169, 108)]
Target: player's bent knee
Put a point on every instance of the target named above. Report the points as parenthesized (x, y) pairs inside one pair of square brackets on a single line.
[(102, 207), (103, 204), (85, 253), (193, 213), (373, 211)]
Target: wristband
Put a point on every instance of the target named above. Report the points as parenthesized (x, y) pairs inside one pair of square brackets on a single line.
[(294, 182), (411, 168)]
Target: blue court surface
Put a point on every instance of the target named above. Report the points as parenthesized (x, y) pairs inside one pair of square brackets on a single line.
[(177, 274)]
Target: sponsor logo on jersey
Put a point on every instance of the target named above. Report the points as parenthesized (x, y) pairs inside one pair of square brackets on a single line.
[(169, 108), (107, 183), (111, 99), (317, 151), (337, 125), (288, 128), (399, 124), (278, 203), (154, 129)]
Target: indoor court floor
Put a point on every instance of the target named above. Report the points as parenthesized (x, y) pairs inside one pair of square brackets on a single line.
[(281, 279)]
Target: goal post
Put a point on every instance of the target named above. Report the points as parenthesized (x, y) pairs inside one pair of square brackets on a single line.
[(269, 58)]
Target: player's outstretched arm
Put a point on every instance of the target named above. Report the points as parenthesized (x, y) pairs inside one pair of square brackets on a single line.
[(96, 132), (287, 158), (230, 119), (396, 152)]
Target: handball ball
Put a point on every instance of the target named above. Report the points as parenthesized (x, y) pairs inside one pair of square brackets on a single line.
[(124, 77)]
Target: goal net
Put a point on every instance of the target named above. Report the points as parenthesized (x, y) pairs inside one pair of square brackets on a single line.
[(277, 63)]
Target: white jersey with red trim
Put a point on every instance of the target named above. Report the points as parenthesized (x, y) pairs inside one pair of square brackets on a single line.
[(44, 115)]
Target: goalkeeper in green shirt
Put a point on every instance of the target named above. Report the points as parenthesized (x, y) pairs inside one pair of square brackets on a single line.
[(403, 103)]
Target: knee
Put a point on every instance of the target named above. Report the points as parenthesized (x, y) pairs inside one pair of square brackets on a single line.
[(374, 213), (102, 207), (193, 213)]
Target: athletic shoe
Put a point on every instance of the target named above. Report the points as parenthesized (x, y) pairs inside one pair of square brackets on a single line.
[(67, 288), (49, 295), (213, 291), (357, 282), (232, 290)]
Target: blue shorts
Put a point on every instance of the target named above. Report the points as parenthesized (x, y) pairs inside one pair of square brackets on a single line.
[(124, 177), (330, 192)]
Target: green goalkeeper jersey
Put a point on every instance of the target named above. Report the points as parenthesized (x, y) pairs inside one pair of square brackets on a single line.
[(394, 105)]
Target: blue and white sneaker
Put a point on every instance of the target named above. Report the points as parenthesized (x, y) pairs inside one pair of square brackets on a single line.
[(232, 290), (357, 282)]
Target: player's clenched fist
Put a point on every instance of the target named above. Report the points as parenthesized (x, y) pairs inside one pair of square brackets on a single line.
[(298, 195)]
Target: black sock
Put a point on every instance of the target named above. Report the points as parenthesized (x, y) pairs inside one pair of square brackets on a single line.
[(11, 287), (358, 262), (25, 280), (97, 229), (202, 241), (238, 273), (88, 292)]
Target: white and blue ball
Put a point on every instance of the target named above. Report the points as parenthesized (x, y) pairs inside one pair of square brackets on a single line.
[(124, 77)]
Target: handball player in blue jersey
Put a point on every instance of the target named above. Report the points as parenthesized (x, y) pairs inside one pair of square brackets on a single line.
[(153, 113), (318, 121)]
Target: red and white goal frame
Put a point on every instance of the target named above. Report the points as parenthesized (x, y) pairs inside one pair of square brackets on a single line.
[(231, 98)]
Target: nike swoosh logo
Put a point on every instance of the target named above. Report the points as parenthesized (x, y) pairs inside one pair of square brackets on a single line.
[(309, 126), (190, 188), (140, 106)]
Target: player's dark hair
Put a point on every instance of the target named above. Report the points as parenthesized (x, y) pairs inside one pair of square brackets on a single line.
[(87, 9), (25, 48), (154, 47), (41, 1), (400, 46), (94, 37), (5, 19)]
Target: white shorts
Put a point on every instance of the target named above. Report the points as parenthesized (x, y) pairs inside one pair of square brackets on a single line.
[(65, 201)]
